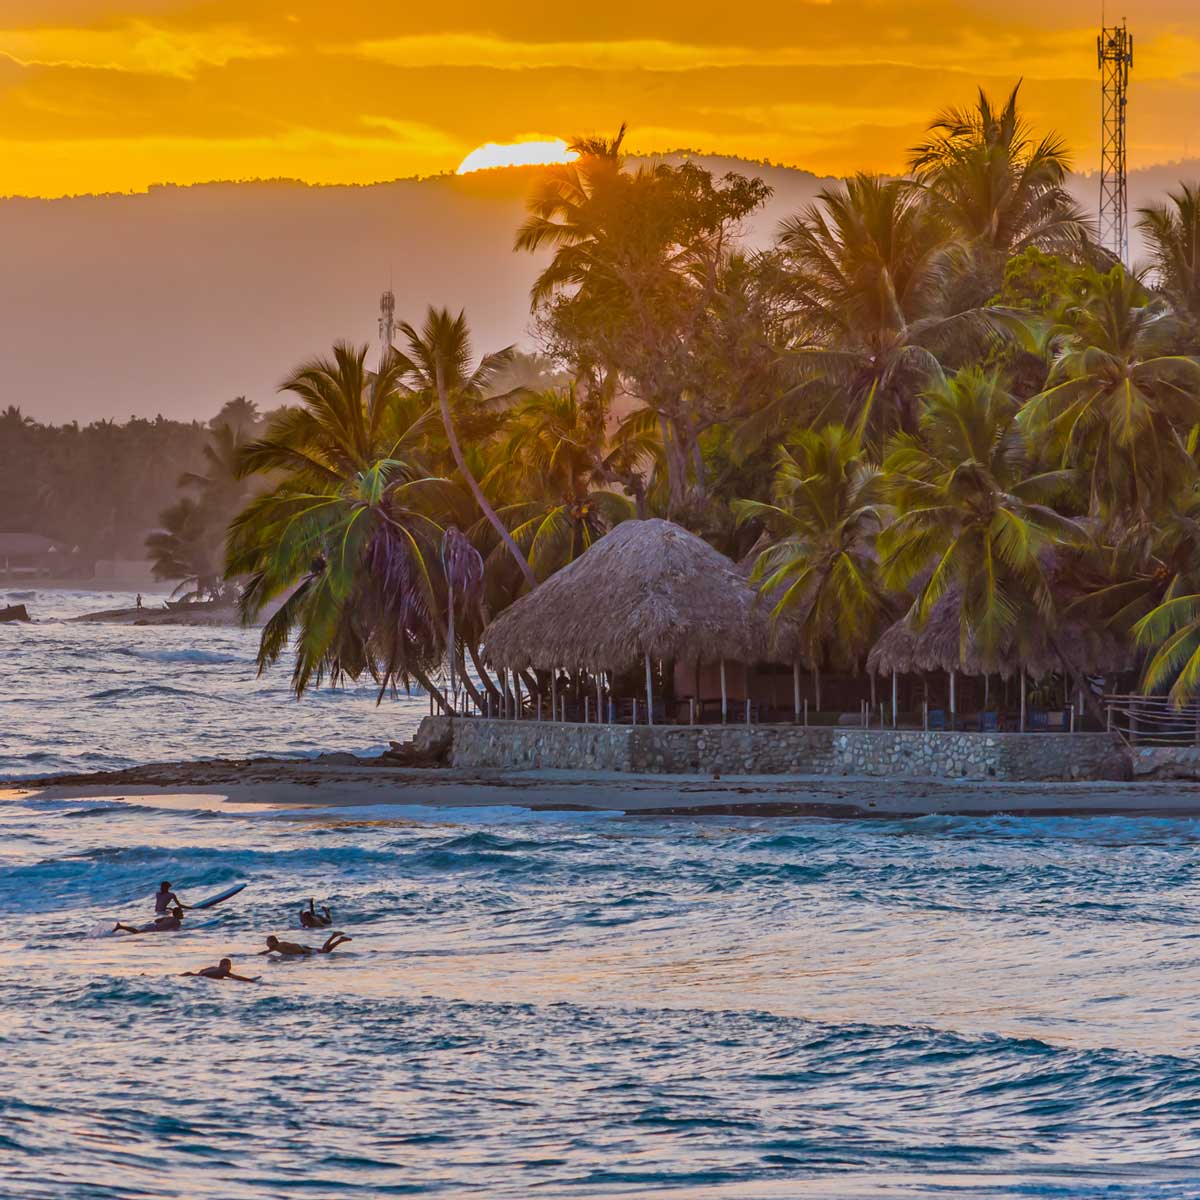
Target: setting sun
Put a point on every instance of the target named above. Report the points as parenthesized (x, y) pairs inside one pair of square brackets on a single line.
[(516, 154)]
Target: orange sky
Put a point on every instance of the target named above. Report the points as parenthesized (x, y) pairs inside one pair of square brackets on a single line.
[(113, 95)]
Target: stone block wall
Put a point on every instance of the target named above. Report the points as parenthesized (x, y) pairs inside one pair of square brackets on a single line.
[(777, 750)]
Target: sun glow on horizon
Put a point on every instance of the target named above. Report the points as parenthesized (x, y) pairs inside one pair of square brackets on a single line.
[(516, 154)]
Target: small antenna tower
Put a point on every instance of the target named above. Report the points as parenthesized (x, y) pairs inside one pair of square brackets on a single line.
[(387, 326), (1114, 52)]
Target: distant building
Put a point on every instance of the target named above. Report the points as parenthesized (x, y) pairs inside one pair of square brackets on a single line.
[(29, 556)]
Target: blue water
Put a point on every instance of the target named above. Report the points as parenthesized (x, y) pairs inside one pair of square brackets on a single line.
[(562, 1005), (581, 1005), (87, 697)]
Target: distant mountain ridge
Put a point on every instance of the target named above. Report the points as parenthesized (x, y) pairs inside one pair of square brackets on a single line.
[(177, 299)]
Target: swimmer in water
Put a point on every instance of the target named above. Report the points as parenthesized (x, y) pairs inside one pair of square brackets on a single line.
[(223, 970), (296, 950), (311, 919), (164, 898), (164, 924)]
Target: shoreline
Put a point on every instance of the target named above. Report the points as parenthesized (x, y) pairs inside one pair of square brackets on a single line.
[(347, 782)]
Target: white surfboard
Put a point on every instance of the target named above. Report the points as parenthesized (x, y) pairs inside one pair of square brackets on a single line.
[(212, 900)]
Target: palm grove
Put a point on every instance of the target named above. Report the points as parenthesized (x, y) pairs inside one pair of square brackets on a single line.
[(931, 391)]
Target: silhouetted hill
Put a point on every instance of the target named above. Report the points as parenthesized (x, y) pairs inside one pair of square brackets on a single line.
[(175, 300)]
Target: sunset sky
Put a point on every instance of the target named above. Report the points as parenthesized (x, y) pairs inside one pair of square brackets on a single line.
[(113, 95)]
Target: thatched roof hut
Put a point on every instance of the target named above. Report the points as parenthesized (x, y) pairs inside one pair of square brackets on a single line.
[(936, 647), (646, 588)]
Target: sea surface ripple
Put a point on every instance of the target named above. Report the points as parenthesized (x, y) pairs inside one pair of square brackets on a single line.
[(574, 1004)]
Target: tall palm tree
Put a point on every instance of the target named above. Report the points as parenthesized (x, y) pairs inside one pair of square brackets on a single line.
[(438, 364), (997, 186), (819, 566), (552, 465), (973, 517), (1172, 235), (1118, 405), (868, 267), (349, 531)]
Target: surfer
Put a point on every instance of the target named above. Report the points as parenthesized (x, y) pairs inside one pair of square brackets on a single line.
[(296, 950), (223, 970), (311, 919), (164, 924), (164, 898)]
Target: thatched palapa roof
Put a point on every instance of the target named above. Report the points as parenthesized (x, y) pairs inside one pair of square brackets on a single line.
[(936, 647), (647, 587)]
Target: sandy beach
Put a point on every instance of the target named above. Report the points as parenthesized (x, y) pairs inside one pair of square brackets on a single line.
[(351, 782)]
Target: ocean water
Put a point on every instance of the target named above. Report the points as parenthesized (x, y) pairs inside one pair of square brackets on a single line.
[(84, 697), (577, 1005)]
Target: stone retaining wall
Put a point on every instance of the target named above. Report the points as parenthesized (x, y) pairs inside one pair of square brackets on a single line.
[(776, 750)]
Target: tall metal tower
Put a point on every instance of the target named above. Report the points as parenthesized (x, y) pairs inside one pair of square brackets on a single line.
[(1114, 51), (387, 326)]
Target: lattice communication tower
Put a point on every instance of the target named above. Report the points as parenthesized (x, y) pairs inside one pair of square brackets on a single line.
[(1114, 51), (387, 326)]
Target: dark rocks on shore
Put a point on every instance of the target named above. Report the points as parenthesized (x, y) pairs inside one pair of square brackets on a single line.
[(14, 612)]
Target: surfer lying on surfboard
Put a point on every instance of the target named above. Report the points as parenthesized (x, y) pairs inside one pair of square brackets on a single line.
[(164, 924), (311, 919), (296, 950), (223, 970)]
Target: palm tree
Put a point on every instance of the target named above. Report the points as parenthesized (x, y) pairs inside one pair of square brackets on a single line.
[(350, 531), (995, 185), (438, 365), (553, 463), (1117, 405), (1172, 234), (973, 517), (187, 549), (820, 567), (868, 267)]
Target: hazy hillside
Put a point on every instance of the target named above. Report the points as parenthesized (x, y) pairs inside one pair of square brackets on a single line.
[(176, 300)]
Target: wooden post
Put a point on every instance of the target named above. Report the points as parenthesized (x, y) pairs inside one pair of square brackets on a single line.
[(1108, 716), (539, 707), (599, 701), (724, 696), (895, 698), (805, 712), (553, 694), (692, 711), (873, 689), (817, 686), (634, 721), (649, 694), (796, 690), (747, 710), (953, 703), (1072, 718), (1022, 699), (925, 715), (587, 710), (516, 695)]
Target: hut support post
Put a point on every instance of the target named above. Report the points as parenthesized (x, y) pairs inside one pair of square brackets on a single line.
[(692, 711), (634, 721), (796, 691), (516, 695), (747, 710), (539, 706), (649, 693), (599, 701), (953, 701), (1022, 700), (895, 696), (553, 694), (724, 696), (817, 687), (587, 710)]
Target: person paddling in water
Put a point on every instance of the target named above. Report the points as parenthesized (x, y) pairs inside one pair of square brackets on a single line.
[(223, 970), (164, 898), (296, 950), (164, 924), (311, 919)]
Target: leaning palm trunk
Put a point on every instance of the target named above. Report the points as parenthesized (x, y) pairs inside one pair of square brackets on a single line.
[(476, 490)]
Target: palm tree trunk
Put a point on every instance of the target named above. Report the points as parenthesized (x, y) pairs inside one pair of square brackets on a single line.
[(481, 671), (477, 491), (431, 687)]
